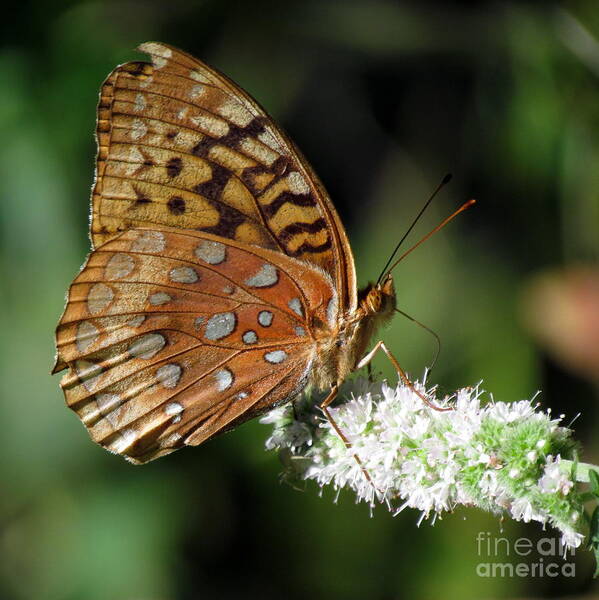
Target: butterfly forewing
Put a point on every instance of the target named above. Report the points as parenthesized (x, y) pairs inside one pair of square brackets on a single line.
[(180, 145), (173, 336)]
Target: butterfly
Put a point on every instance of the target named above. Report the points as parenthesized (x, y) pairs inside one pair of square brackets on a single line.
[(221, 282)]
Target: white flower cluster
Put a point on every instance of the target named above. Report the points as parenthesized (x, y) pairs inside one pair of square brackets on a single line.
[(497, 456)]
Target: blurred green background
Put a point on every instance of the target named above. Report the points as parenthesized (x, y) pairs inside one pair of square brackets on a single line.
[(383, 98)]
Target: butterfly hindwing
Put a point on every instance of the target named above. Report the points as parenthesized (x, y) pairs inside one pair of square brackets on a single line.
[(180, 145), (173, 336)]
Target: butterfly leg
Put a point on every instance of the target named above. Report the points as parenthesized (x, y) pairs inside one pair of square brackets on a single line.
[(294, 408), (370, 373), (380, 345), (324, 407)]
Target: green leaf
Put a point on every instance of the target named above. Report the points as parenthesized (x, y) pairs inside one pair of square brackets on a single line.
[(594, 482), (574, 469), (594, 528), (594, 538)]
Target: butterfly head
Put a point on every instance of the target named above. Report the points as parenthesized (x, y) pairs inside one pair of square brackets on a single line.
[(379, 299)]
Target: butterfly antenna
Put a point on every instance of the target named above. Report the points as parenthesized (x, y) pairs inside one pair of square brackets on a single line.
[(432, 232), (444, 182)]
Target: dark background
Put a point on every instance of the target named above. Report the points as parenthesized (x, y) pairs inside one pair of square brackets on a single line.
[(383, 98)]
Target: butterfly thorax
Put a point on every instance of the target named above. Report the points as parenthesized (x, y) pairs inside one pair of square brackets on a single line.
[(339, 351)]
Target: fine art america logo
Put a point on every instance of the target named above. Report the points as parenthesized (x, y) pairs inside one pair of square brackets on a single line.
[(546, 557)]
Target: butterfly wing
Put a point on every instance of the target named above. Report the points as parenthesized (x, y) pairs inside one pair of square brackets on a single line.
[(173, 336), (181, 145)]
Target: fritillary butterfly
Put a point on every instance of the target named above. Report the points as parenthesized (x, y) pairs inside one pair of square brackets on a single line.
[(221, 281)]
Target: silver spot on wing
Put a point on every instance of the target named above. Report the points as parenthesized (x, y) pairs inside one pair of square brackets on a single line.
[(275, 357), (213, 253), (169, 375), (267, 276), (136, 321), (149, 241), (147, 346), (224, 379), (249, 337), (109, 406), (183, 275), (99, 297), (124, 440), (173, 409), (87, 335), (89, 373), (220, 326), (265, 318), (296, 306), (120, 265), (159, 298)]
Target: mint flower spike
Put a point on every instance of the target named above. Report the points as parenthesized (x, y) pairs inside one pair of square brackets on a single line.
[(507, 458)]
